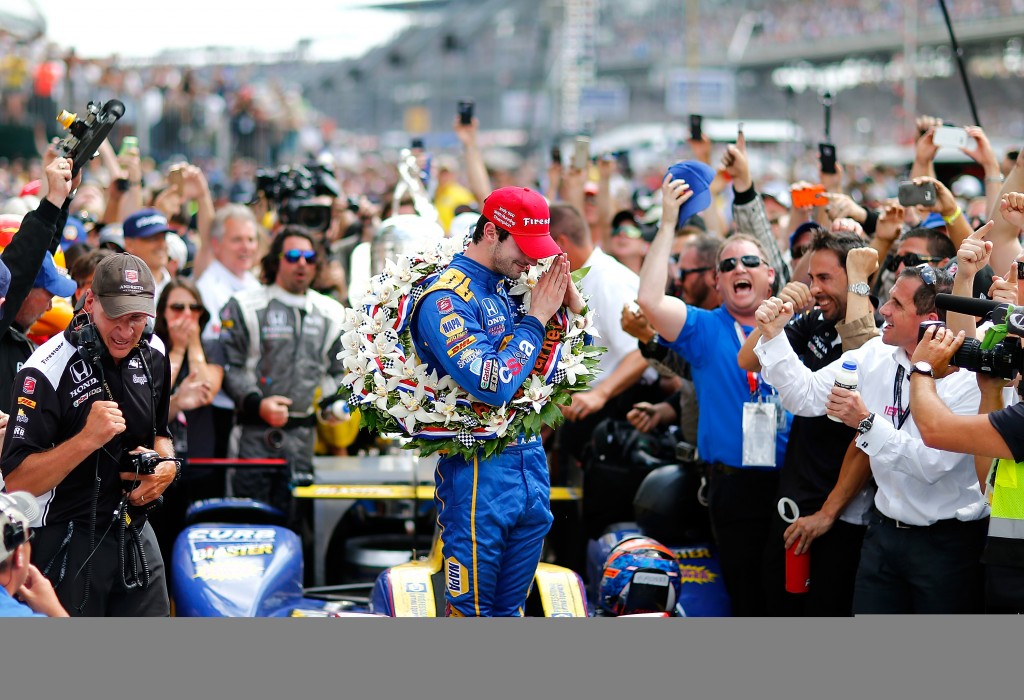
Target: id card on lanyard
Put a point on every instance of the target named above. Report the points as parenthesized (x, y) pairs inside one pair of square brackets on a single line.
[(761, 416)]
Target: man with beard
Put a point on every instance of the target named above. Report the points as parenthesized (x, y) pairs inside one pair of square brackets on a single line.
[(281, 342), (817, 444), (741, 496)]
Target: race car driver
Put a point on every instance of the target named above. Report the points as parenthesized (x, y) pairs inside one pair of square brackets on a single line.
[(494, 513)]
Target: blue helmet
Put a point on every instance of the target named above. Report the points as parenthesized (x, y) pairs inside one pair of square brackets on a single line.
[(641, 575)]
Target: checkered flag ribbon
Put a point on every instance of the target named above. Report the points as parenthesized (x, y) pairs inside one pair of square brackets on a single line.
[(466, 438)]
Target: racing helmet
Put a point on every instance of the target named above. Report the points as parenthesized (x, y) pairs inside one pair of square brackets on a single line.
[(641, 575)]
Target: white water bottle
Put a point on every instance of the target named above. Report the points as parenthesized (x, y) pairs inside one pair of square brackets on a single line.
[(846, 378)]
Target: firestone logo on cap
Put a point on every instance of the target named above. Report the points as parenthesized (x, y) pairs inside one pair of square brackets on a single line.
[(131, 275)]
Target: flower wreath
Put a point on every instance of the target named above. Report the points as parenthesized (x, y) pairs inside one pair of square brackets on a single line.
[(397, 397)]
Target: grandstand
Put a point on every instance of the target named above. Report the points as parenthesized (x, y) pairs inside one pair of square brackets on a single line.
[(541, 70)]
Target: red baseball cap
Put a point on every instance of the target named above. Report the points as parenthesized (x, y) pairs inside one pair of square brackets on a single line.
[(525, 214)]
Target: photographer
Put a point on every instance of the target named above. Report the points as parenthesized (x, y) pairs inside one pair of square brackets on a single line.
[(88, 446), (994, 433)]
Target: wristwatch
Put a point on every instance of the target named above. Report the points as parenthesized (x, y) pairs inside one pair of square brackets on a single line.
[(922, 367), (860, 288), (865, 425)]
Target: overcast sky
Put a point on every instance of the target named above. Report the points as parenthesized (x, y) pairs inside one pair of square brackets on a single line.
[(134, 28)]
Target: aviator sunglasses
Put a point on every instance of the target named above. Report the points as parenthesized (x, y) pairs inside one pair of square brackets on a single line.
[(729, 264), (294, 255)]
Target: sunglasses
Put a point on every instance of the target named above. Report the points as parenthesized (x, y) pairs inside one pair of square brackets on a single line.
[(683, 271), (628, 231), (749, 262), (911, 260), (800, 250), (194, 308), (293, 256)]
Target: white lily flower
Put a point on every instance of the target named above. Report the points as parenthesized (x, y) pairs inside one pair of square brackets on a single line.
[(535, 393), (356, 369), (380, 393), (372, 325), (384, 346), (351, 343), (353, 317), (448, 248), (573, 367), (383, 292), (407, 370), (401, 274), (580, 323), (412, 408), (447, 407), (499, 421)]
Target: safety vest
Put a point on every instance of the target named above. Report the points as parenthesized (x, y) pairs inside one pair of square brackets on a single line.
[(1007, 518)]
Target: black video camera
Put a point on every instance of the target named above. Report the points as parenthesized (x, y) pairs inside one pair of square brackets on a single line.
[(290, 190), (86, 134), (144, 464), (1000, 354)]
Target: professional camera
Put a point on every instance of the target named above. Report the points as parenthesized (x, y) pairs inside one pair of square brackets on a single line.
[(999, 353), (87, 133), (290, 190)]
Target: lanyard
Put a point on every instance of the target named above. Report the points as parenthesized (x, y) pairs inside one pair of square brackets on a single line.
[(899, 417), (753, 380)]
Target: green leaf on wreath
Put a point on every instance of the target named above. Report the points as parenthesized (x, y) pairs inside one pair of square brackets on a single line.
[(550, 414), (579, 274)]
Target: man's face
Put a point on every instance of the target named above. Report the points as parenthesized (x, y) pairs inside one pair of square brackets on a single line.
[(236, 250), (744, 288), (295, 277), (152, 250), (37, 303), (901, 318), (828, 284), (119, 334), (628, 245), (696, 287), (509, 260)]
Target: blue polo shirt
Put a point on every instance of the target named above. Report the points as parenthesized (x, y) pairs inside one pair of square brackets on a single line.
[(9, 607), (710, 343)]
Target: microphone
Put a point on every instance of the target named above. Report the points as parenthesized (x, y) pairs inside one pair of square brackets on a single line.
[(972, 307)]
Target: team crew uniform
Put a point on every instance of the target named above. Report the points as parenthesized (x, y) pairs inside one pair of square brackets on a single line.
[(52, 398), (464, 326), (278, 343)]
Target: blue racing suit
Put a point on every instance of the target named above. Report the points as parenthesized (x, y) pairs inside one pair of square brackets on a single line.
[(494, 513)]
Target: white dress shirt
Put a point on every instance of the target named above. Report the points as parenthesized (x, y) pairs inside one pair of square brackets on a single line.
[(217, 285), (916, 484), (610, 285)]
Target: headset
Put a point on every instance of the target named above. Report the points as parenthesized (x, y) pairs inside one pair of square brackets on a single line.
[(16, 512), (83, 334)]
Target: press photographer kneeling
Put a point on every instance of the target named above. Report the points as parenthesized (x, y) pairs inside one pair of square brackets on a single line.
[(89, 440)]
